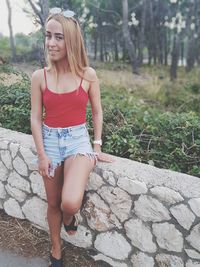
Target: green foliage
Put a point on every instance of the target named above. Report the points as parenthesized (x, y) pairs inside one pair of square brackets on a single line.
[(5, 51), (15, 105)]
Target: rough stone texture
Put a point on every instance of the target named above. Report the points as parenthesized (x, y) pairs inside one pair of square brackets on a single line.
[(101, 257), (142, 260), (187, 185), (14, 149), (3, 144), (15, 180), (37, 184), (164, 260), (183, 215), (195, 205), (2, 191), (150, 209), (29, 158), (83, 237), (168, 237), (15, 193), (191, 263), (166, 194), (119, 201), (3, 172), (140, 235), (95, 182), (99, 216), (108, 176), (12, 208), (193, 254), (6, 158), (20, 166), (131, 186), (35, 211), (194, 237), (113, 245)]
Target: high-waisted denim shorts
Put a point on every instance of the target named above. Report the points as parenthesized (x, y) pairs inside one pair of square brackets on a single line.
[(61, 143)]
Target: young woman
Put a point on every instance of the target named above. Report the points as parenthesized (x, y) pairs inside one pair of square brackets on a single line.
[(65, 154)]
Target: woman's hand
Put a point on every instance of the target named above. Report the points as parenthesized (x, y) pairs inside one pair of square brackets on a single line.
[(44, 165), (104, 157)]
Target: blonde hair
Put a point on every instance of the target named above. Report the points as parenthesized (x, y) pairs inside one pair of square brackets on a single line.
[(76, 56)]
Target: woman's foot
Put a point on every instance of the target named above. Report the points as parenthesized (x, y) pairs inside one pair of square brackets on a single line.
[(54, 262), (70, 225)]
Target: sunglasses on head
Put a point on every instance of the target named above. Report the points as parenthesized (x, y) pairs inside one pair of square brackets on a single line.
[(66, 13)]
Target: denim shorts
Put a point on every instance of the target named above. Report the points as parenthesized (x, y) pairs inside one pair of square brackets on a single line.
[(61, 143)]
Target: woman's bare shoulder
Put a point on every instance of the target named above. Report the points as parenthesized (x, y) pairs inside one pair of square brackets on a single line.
[(90, 74), (38, 75)]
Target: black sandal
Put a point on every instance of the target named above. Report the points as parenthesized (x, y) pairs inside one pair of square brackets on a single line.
[(55, 262), (72, 226)]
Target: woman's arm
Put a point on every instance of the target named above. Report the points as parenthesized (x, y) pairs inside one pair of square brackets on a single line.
[(97, 114), (36, 121)]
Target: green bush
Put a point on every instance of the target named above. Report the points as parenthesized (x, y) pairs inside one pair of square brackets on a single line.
[(15, 105)]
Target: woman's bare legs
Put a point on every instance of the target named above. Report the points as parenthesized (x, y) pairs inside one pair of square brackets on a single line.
[(53, 187), (76, 173)]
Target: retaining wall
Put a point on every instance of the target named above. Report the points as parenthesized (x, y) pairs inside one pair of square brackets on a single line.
[(133, 214)]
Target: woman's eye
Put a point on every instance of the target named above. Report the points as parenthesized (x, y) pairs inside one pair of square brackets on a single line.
[(59, 38), (48, 36)]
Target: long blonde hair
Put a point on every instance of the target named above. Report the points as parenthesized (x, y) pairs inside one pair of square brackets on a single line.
[(76, 56)]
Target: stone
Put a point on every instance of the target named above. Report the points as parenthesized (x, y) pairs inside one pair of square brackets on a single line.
[(3, 144), (195, 205), (165, 260), (148, 208), (15, 180), (194, 237), (140, 235), (6, 158), (168, 237), (120, 202), (98, 214), (166, 194), (2, 191), (29, 158), (20, 166), (35, 211), (111, 262), (37, 184), (183, 215), (1, 205), (15, 193), (112, 244), (109, 177), (191, 263), (131, 186), (83, 237), (142, 260), (95, 182), (12, 208), (3, 172), (14, 147), (192, 254)]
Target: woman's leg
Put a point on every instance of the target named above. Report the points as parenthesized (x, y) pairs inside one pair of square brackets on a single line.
[(53, 187), (76, 173)]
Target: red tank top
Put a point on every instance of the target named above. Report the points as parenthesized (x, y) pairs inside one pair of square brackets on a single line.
[(64, 109)]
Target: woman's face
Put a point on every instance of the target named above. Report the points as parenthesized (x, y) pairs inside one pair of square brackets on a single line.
[(54, 41)]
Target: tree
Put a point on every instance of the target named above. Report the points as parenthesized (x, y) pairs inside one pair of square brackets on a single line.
[(128, 42), (12, 43)]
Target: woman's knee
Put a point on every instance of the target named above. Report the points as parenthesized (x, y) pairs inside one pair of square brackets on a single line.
[(54, 205), (70, 206)]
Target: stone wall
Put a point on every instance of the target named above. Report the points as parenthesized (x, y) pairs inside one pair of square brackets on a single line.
[(133, 214)]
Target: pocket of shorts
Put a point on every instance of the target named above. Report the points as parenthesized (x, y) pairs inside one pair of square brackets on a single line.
[(77, 133)]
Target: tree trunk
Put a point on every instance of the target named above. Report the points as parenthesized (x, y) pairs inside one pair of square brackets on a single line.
[(175, 57), (127, 39), (12, 43), (141, 33)]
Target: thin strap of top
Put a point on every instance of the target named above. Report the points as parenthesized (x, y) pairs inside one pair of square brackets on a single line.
[(45, 77), (81, 82)]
